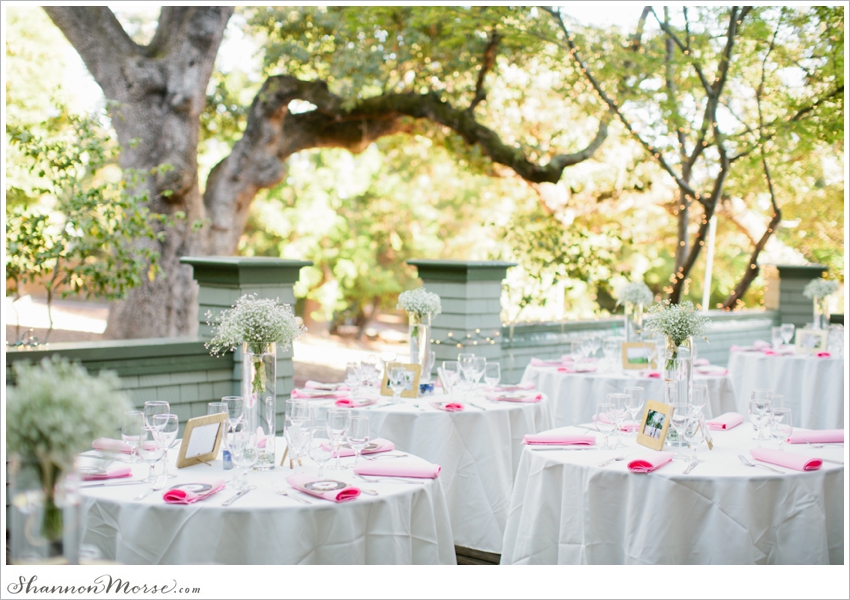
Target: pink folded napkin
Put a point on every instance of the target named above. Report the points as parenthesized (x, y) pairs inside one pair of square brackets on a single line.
[(528, 385), (786, 459), (317, 385), (649, 462), (189, 493), (624, 427), (711, 370), (536, 362), (320, 394), (822, 354), (310, 485), (777, 352), (114, 473), (349, 403), (566, 358), (375, 446), (728, 420), (559, 437), (761, 344), (514, 397), (447, 406), (110, 445), (701, 362), (817, 436), (398, 468), (653, 374)]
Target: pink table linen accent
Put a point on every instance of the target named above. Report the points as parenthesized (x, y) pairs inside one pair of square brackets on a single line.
[(114, 473), (508, 397), (650, 462), (816, 436), (725, 421), (346, 494), (701, 362), (331, 387), (786, 459), (110, 445), (398, 468), (320, 394), (448, 406), (567, 358), (349, 403), (382, 446), (559, 438), (823, 355), (653, 374), (528, 385), (573, 369), (180, 494), (761, 344)]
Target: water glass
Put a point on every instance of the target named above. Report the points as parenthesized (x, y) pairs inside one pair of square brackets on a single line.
[(679, 420), (298, 411), (466, 361), (168, 425), (611, 349), (214, 408), (451, 372), (777, 400), (353, 377), (150, 449), (397, 381), (699, 397), (759, 413), (358, 435), (634, 403), (787, 332), (781, 425), (776, 337), (131, 431), (243, 451), (321, 450), (603, 422), (492, 374), (617, 413), (235, 408), (479, 365), (155, 407), (339, 420), (370, 369)]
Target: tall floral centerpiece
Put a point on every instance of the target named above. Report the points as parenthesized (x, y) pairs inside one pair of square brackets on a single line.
[(421, 307), (53, 412), (634, 297), (260, 326), (818, 290)]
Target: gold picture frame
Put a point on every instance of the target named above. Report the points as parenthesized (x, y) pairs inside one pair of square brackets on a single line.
[(201, 440), (637, 355), (412, 389), (652, 430), (812, 341)]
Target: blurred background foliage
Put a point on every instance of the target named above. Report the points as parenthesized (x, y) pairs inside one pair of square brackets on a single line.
[(427, 194)]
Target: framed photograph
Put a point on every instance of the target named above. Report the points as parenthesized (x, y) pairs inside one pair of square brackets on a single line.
[(411, 385), (811, 341), (652, 429), (637, 355), (201, 440)]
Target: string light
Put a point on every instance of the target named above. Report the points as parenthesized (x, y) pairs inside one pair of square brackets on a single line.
[(473, 338)]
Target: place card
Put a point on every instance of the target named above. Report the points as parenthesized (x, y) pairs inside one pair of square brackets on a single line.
[(201, 440), (637, 355), (652, 429)]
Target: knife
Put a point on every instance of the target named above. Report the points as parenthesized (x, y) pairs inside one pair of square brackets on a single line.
[(233, 499), (116, 484)]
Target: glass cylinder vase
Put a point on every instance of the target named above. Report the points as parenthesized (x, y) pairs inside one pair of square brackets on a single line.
[(44, 512), (420, 343), (678, 375), (821, 320), (259, 374), (634, 321)]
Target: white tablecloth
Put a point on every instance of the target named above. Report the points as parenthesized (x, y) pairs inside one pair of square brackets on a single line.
[(566, 509), (813, 387), (478, 450), (405, 524), (574, 395)]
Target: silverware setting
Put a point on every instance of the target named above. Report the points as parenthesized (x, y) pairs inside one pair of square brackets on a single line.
[(549, 448), (387, 479), (382, 456), (238, 495), (691, 466), (158, 485), (115, 484), (749, 464), (281, 492), (824, 445)]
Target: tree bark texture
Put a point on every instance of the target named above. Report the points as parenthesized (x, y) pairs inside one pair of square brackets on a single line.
[(157, 93)]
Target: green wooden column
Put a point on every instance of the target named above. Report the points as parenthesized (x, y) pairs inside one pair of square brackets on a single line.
[(224, 279), (784, 292), (470, 294)]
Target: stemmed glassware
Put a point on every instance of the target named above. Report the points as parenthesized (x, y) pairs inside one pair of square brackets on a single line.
[(451, 372), (321, 450), (466, 360), (339, 420), (150, 449), (131, 432), (699, 398), (235, 410), (243, 451), (781, 425), (759, 413), (679, 420), (397, 381), (479, 365), (214, 408), (776, 337), (617, 414), (694, 436), (370, 369), (634, 403), (353, 377), (610, 350), (787, 332), (603, 422), (358, 435), (297, 438), (168, 426), (155, 407), (492, 374)]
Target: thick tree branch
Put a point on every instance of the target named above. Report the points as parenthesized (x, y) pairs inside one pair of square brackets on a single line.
[(487, 62)]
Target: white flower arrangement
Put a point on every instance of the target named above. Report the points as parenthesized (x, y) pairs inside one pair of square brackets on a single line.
[(817, 289), (677, 322), (420, 302), (256, 322), (635, 293)]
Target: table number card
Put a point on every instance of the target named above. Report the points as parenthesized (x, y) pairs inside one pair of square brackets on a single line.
[(652, 429), (411, 388), (811, 341), (201, 440), (637, 355)]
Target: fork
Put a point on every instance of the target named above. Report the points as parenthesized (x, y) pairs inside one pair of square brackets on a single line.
[(823, 445), (619, 457), (279, 490), (380, 456), (388, 480), (158, 485), (749, 464)]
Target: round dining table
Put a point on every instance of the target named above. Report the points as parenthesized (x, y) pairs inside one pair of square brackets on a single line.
[(567, 508), (811, 386), (395, 523), (478, 449), (574, 395)]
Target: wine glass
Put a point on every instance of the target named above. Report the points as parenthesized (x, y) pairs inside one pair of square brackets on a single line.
[(243, 451), (603, 422), (397, 381), (586, 347), (777, 400), (759, 413), (353, 377), (479, 365), (339, 420), (297, 434), (150, 449), (214, 408), (321, 450), (781, 426), (451, 372), (787, 332), (610, 349), (634, 403), (776, 337), (370, 369), (298, 411), (466, 360), (131, 432), (235, 409), (155, 407), (492, 374), (699, 397), (617, 413), (679, 420), (694, 436), (358, 435), (168, 426), (595, 344)]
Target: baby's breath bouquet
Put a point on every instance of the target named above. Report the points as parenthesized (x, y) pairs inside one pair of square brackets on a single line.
[(677, 322), (817, 289), (53, 412), (419, 303), (635, 293)]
